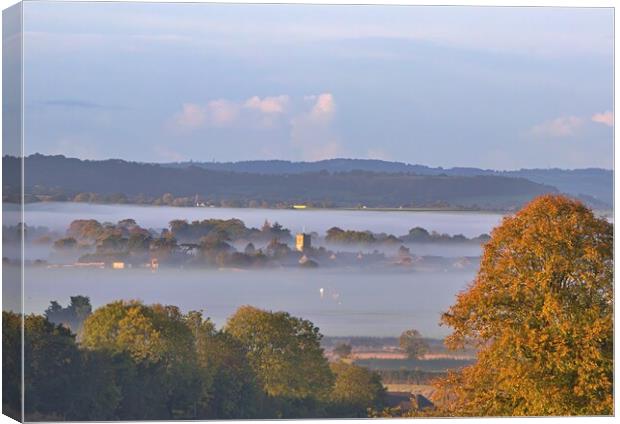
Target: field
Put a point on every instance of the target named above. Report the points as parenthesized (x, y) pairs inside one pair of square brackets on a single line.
[(425, 390), (427, 365)]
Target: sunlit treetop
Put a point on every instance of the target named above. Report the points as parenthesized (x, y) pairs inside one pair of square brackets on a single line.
[(541, 312)]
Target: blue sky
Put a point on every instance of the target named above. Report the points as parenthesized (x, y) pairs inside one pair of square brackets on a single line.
[(499, 88)]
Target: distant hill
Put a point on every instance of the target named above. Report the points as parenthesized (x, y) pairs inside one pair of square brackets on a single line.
[(61, 178), (593, 185)]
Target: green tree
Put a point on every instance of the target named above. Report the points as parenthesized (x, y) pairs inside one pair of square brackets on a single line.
[(51, 369), (284, 352), (72, 316), (230, 388), (343, 350), (98, 395), (356, 390), (11, 364), (412, 343), (161, 347), (540, 312), (418, 234), (147, 333)]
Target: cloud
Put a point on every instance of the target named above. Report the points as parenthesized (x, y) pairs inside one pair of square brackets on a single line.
[(324, 108), (79, 104), (266, 112), (253, 112), (268, 105), (222, 112), (191, 116), (311, 132), (565, 126), (570, 126), (309, 119), (216, 113), (605, 118)]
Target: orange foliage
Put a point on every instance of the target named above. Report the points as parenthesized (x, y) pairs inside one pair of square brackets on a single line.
[(541, 313)]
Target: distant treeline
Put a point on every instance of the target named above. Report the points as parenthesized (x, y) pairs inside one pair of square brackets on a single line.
[(376, 342), (127, 233), (57, 178), (407, 376), (131, 361), (211, 242), (198, 243), (592, 185), (415, 235)]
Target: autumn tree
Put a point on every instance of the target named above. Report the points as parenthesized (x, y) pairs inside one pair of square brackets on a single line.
[(164, 246), (85, 229), (111, 241), (66, 243), (540, 311), (412, 343), (139, 242)]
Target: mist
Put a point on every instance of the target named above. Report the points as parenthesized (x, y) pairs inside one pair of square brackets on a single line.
[(58, 216), (352, 303), (343, 300)]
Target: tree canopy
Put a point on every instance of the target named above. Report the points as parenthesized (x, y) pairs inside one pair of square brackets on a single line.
[(355, 390), (343, 350), (73, 316), (284, 351), (150, 333), (541, 312), (148, 362), (412, 343)]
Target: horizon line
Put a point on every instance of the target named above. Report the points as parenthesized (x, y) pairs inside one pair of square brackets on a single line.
[(219, 162)]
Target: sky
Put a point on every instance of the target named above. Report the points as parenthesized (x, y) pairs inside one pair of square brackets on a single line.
[(489, 87)]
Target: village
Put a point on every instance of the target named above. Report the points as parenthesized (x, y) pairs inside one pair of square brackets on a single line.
[(303, 255), (229, 244)]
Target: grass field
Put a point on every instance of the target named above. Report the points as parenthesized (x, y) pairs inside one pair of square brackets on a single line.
[(422, 389), (433, 365)]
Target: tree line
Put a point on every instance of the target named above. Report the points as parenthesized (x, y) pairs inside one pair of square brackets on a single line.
[(58, 178), (131, 361), (214, 242)]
